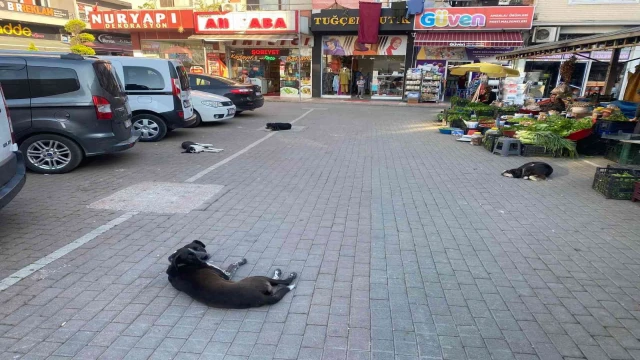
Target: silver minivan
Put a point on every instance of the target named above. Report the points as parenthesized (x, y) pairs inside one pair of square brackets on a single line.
[(12, 168)]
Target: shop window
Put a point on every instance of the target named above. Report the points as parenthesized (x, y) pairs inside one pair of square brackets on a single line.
[(14, 81), (142, 78), (50, 81)]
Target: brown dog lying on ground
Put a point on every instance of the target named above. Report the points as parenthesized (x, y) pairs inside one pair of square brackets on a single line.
[(189, 272)]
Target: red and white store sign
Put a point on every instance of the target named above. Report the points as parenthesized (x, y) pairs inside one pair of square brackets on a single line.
[(141, 19), (249, 22)]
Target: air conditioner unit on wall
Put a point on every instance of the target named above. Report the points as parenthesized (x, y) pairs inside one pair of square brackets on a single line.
[(545, 34)]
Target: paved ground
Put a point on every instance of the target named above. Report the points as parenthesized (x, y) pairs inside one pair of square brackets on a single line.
[(408, 245)]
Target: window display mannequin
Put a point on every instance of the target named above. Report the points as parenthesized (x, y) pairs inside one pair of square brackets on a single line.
[(327, 81), (345, 79)]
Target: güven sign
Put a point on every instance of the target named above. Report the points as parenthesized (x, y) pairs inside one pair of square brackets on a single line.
[(475, 18), (141, 19), (250, 22)]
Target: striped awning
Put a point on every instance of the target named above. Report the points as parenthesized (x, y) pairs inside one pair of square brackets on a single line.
[(469, 39)]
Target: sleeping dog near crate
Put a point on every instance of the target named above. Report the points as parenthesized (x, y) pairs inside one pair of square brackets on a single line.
[(190, 273), (533, 171), (278, 126)]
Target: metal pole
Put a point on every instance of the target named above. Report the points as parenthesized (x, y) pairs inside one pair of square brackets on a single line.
[(299, 61)]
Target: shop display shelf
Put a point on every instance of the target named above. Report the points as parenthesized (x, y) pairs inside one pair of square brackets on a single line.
[(615, 183)]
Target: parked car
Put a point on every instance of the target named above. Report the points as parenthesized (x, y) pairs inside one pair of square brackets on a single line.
[(12, 168), (159, 94), (244, 97), (64, 108), (211, 107)]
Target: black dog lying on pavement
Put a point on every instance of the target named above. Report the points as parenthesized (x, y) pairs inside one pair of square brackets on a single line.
[(189, 272), (533, 171), (278, 126)]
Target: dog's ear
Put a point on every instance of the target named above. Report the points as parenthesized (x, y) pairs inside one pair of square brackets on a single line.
[(198, 242)]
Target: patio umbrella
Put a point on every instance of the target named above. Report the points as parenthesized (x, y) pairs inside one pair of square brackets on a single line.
[(492, 70)]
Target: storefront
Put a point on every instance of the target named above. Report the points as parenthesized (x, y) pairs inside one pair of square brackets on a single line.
[(454, 36), (267, 47), (340, 60), (588, 77), (16, 35), (152, 33)]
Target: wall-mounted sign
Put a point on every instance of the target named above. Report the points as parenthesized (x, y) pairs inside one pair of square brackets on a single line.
[(249, 22), (33, 9), (141, 19), (475, 18), (349, 45), (29, 31), (270, 52), (348, 21), (114, 39)]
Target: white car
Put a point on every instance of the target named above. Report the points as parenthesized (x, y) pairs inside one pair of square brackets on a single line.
[(210, 107)]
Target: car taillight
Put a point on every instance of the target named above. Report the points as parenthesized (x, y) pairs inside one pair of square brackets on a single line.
[(181, 114), (103, 108), (240, 91), (176, 87)]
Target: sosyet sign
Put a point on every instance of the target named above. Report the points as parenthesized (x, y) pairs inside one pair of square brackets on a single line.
[(249, 22), (475, 18), (141, 19)]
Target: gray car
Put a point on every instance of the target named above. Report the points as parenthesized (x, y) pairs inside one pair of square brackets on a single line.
[(64, 108)]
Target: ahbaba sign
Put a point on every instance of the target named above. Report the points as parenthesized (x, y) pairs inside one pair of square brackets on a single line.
[(141, 19), (475, 18), (250, 22)]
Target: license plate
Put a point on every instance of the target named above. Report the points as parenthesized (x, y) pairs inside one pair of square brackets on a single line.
[(127, 123), (258, 93), (231, 111)]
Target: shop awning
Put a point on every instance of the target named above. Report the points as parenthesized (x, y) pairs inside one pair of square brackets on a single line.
[(608, 41), (471, 39), (110, 47)]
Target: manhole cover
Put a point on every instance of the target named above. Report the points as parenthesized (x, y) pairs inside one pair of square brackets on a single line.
[(158, 197)]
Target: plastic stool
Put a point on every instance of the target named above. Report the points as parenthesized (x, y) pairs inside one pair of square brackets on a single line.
[(507, 146)]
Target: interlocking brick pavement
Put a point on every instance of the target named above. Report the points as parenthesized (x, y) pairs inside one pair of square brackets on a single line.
[(408, 245)]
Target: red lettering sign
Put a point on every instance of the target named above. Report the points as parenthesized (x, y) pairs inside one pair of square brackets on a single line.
[(141, 19), (249, 22), (275, 52)]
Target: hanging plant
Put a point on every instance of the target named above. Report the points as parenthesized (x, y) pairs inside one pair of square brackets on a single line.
[(567, 68)]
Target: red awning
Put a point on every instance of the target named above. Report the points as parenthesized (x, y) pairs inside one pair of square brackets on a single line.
[(469, 39)]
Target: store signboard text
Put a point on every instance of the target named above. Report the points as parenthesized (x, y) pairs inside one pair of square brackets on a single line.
[(348, 21), (250, 22), (141, 19), (33, 9), (475, 18)]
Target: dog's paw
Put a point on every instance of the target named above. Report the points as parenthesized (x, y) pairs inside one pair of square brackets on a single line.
[(277, 274), (534, 178), (526, 178), (291, 287), (242, 262), (293, 275)]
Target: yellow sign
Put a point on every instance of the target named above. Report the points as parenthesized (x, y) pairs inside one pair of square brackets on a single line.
[(17, 30)]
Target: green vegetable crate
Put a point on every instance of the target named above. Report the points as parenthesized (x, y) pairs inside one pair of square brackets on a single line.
[(615, 183), (490, 141), (624, 153)]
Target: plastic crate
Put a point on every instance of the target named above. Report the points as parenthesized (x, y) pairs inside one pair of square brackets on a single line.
[(615, 183), (609, 127), (540, 151), (624, 153), (490, 141)]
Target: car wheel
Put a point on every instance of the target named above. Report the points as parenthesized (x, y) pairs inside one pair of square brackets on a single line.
[(198, 120), (51, 154), (151, 127)]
